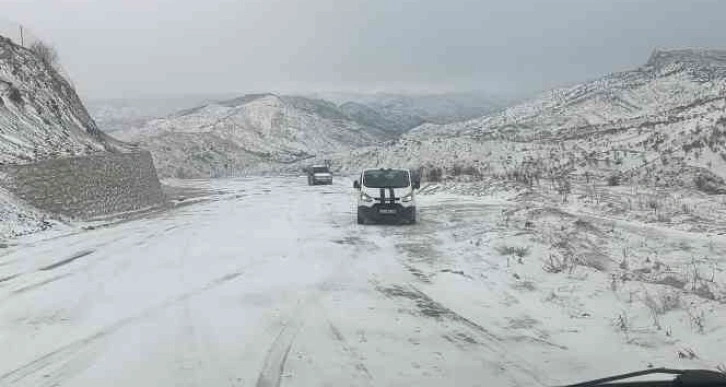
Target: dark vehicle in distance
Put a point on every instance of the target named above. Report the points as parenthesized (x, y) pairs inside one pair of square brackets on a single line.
[(319, 174)]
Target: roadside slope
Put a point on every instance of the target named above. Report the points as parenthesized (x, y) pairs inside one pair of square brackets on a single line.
[(41, 116)]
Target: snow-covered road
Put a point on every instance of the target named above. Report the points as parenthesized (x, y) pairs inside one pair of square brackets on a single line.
[(271, 284)]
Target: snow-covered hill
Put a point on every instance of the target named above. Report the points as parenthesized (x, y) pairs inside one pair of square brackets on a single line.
[(662, 123), (402, 112), (251, 133), (370, 116), (40, 114), (113, 114), (670, 79)]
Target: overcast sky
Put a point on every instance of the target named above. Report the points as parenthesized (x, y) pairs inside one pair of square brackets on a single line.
[(127, 48)]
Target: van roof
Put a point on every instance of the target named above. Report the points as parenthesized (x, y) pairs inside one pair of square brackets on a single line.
[(386, 169)]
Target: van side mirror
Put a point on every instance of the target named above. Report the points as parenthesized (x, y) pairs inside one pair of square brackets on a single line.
[(356, 184), (417, 184)]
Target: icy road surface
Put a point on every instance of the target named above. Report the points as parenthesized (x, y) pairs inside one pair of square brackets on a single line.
[(273, 284)]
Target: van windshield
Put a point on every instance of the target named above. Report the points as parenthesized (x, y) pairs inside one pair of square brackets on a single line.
[(386, 179), (320, 170)]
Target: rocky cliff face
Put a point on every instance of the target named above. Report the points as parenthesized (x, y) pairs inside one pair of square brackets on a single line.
[(41, 117)]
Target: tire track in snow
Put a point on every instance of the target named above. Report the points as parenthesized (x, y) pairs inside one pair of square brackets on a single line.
[(274, 365), (46, 268), (8, 278), (40, 284), (351, 352), (433, 309), (52, 266), (417, 247), (68, 260), (187, 363), (66, 353)]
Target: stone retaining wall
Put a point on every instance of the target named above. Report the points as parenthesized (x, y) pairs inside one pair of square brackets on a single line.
[(87, 186)]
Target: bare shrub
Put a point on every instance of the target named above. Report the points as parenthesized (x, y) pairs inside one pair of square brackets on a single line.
[(465, 170), (614, 283), (698, 321), (653, 204), (471, 171), (415, 174), (519, 251), (661, 304), (525, 285), (687, 353), (559, 264), (708, 184), (15, 95), (456, 170), (613, 180), (704, 291), (663, 218), (701, 286), (670, 301), (622, 322), (564, 188), (434, 174), (45, 52)]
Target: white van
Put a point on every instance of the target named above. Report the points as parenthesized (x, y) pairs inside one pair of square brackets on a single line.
[(386, 195)]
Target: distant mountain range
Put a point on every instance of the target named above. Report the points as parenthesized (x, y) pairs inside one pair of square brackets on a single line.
[(264, 132), (389, 112), (402, 112), (112, 114), (250, 133)]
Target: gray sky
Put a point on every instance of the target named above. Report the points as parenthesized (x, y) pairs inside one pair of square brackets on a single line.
[(126, 48)]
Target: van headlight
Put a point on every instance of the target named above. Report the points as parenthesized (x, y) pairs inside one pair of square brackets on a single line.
[(407, 198), (364, 197)]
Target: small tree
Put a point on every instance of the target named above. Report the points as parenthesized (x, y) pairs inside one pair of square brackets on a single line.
[(45, 52), (613, 180), (434, 174)]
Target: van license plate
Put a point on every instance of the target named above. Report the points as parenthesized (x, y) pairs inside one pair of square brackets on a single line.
[(386, 211)]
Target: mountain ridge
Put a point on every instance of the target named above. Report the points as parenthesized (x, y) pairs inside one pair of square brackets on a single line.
[(250, 133), (661, 123), (613, 96)]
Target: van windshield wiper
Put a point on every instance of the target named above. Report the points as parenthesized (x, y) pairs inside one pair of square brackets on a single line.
[(684, 378)]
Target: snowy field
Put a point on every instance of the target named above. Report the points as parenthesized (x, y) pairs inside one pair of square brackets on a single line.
[(270, 282)]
